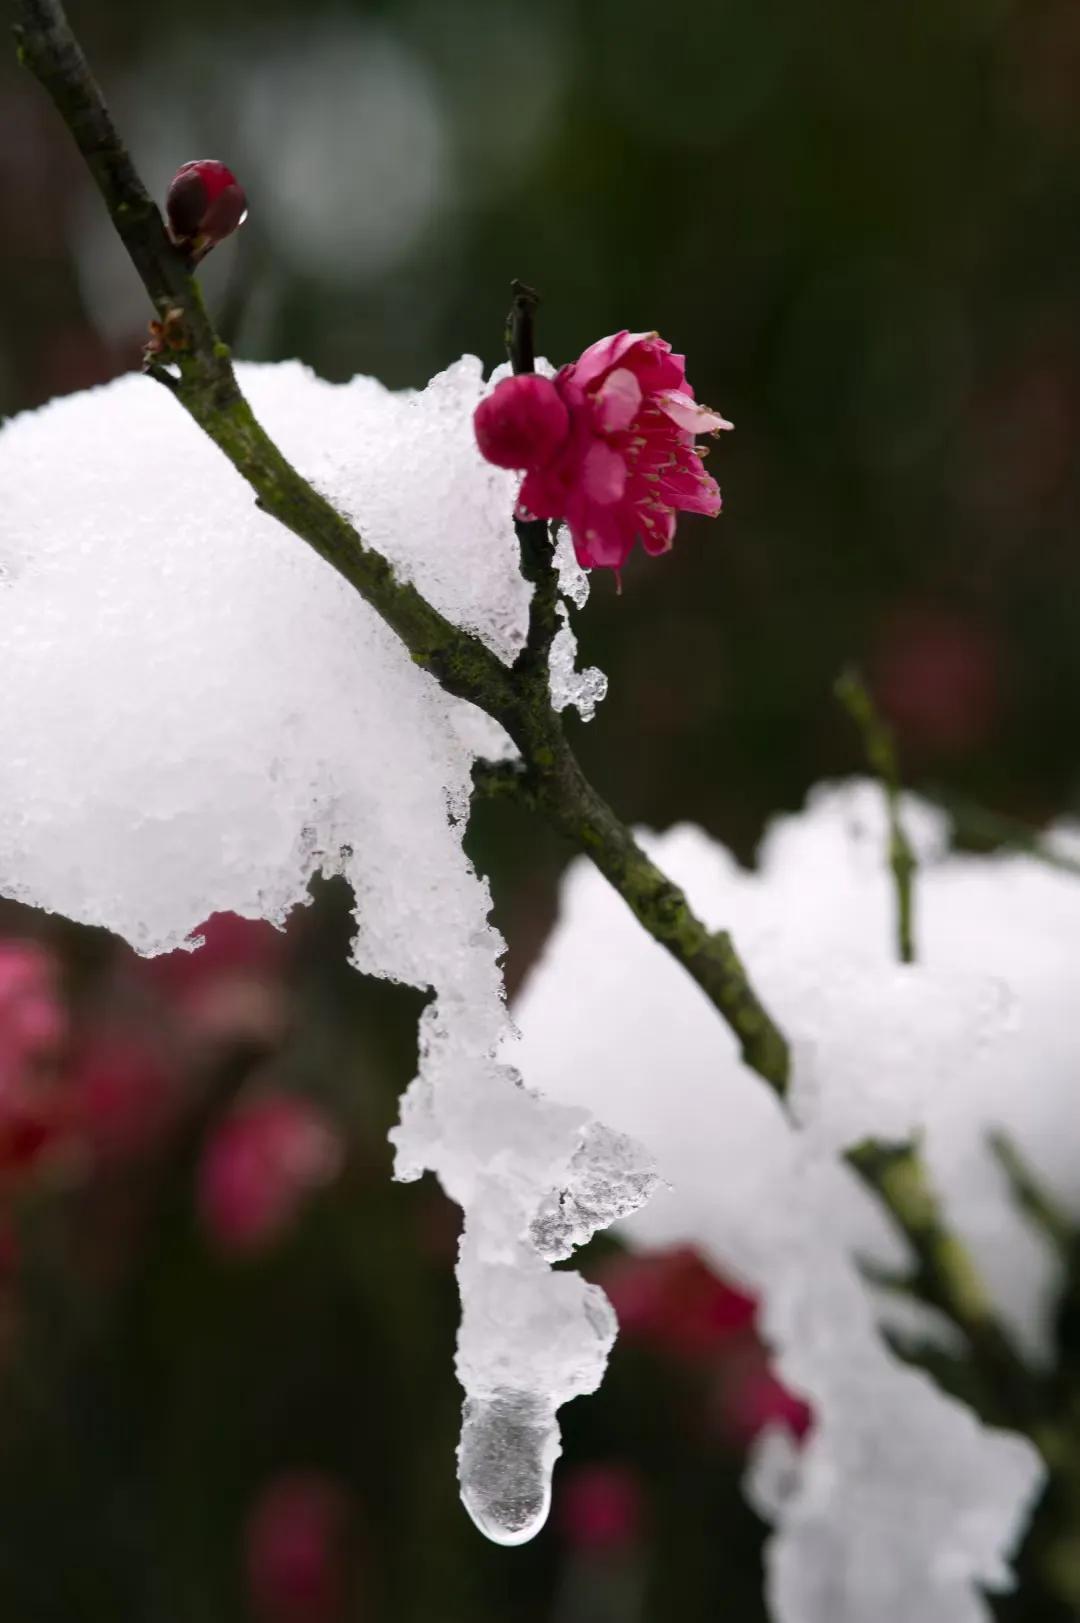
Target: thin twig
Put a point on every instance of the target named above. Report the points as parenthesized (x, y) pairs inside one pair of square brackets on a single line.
[(945, 1276), (880, 747), (1030, 1196), (520, 324), (534, 536), (980, 826)]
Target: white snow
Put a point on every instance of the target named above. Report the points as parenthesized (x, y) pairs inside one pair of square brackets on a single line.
[(900, 1504), (197, 714)]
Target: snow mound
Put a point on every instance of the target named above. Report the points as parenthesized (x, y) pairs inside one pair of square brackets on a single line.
[(900, 1504)]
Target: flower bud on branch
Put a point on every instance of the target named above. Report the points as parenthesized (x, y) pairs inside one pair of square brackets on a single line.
[(205, 204)]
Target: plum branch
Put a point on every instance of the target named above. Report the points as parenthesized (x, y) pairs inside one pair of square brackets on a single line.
[(548, 777)]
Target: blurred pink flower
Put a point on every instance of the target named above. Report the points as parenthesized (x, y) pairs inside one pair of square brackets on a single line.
[(30, 1131), (259, 1164), (295, 1550), (936, 675), (672, 1300), (607, 445), (231, 945), (122, 1096), (600, 1508), (33, 1026), (751, 1397), (32, 1018), (231, 989)]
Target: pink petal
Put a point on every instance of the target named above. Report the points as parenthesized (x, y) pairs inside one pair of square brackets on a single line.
[(603, 474), (542, 495), (603, 537), (658, 532), (690, 492), (654, 365), (605, 354), (684, 411), (618, 401)]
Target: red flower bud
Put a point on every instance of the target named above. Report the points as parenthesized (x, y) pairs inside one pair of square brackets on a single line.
[(522, 422), (205, 203)]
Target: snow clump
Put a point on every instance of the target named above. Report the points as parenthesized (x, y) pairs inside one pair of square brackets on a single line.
[(900, 1503), (198, 714)]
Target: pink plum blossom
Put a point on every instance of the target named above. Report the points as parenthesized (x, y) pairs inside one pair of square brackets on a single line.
[(33, 1028), (938, 676), (672, 1301), (750, 1397), (259, 1165), (295, 1550), (607, 445), (231, 989), (123, 1095), (32, 1019), (601, 1507)]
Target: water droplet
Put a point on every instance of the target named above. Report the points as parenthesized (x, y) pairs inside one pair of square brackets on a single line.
[(509, 1445)]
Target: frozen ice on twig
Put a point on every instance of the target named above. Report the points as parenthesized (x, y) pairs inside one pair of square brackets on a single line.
[(569, 686), (573, 580)]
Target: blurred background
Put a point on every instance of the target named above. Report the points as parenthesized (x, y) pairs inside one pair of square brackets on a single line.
[(226, 1338)]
